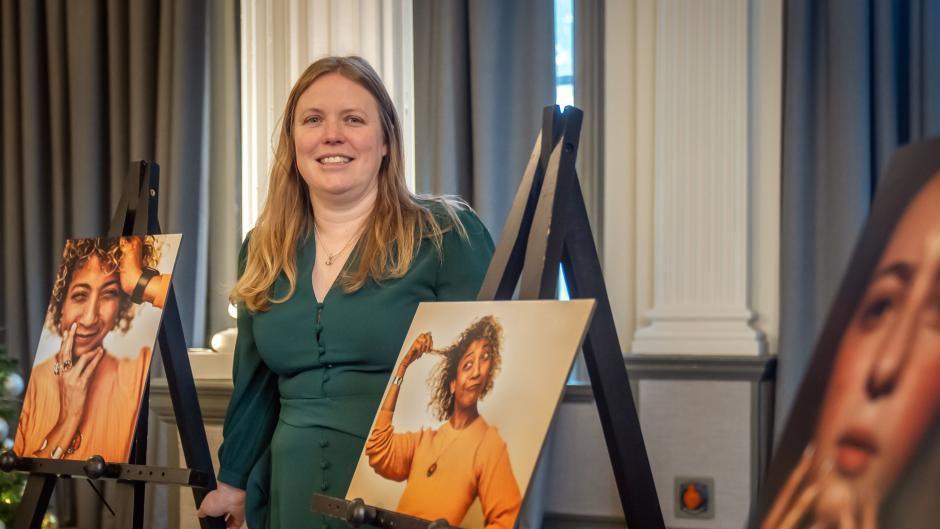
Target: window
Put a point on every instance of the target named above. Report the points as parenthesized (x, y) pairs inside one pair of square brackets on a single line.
[(564, 96), (564, 78), (564, 53)]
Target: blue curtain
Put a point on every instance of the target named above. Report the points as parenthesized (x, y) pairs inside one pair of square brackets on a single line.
[(861, 79)]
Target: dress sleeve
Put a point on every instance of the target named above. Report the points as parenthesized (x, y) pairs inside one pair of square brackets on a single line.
[(464, 260), (252, 413), (499, 491), (390, 453)]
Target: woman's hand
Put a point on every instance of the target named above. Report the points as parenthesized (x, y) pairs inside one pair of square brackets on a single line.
[(74, 383), (63, 357), (816, 496), (422, 344), (74, 376), (130, 264), (225, 501)]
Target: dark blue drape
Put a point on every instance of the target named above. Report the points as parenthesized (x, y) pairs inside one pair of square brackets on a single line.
[(861, 79)]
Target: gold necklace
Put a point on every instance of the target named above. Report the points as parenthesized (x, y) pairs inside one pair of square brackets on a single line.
[(331, 256), (433, 468)]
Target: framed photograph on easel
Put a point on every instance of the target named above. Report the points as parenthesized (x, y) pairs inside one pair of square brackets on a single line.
[(93, 360), (464, 418)]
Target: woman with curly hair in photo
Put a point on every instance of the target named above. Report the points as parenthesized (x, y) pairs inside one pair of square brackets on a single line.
[(83, 401), (448, 468)]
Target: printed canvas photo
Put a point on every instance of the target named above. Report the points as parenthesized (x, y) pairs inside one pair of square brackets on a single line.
[(861, 447), (93, 359), (465, 414)]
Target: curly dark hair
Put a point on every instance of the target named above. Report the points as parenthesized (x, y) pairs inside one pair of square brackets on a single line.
[(108, 251), (442, 400)]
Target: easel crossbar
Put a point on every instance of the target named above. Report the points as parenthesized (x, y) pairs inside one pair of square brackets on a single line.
[(123, 472)]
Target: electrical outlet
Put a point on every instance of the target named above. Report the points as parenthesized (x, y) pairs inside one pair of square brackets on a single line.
[(695, 498)]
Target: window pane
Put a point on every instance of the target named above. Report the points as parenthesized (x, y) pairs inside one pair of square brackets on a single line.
[(564, 52)]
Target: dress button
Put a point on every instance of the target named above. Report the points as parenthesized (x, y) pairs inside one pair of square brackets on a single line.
[(324, 464), (329, 366), (324, 486), (324, 443)]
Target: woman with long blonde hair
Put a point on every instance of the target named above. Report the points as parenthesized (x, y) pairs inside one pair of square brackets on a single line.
[(330, 278)]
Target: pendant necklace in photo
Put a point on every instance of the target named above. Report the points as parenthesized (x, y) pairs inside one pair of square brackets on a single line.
[(433, 468)]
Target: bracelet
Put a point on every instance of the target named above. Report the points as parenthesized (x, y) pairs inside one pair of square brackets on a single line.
[(397, 380), (145, 276)]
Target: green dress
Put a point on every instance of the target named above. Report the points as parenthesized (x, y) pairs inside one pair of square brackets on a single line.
[(309, 375)]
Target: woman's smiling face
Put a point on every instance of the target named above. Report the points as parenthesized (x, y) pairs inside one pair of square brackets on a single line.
[(92, 302), (884, 392), (338, 139)]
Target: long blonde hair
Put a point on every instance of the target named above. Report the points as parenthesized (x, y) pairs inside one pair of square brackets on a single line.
[(393, 232)]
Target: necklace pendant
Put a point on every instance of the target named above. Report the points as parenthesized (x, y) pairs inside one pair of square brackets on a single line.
[(329, 260), (432, 468)]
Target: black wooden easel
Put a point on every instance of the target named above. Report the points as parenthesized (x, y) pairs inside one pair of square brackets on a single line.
[(548, 226), (136, 214)]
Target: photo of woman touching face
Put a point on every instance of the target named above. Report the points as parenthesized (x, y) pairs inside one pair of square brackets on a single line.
[(84, 394), (881, 401)]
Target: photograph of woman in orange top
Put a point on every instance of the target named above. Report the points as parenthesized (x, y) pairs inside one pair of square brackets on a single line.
[(447, 469), (83, 399)]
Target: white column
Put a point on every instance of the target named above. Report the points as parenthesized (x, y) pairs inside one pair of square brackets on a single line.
[(280, 38), (713, 167)]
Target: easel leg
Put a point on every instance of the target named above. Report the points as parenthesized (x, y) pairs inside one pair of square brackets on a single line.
[(35, 501), (609, 380)]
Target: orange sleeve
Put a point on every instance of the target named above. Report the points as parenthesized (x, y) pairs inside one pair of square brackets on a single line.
[(499, 491), (19, 443), (390, 454)]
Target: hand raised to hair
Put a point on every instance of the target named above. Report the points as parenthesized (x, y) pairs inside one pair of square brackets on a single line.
[(130, 263), (422, 344)]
